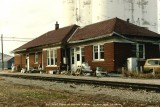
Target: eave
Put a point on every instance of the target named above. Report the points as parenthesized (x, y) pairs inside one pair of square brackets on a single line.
[(132, 40), (37, 48)]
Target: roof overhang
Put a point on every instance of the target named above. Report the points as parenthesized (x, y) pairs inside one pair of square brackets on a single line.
[(36, 48), (128, 39), (138, 39), (91, 39), (17, 51)]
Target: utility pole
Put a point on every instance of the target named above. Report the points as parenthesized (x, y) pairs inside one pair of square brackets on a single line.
[(2, 52)]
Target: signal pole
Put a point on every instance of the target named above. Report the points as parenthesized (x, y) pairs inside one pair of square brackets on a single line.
[(2, 52)]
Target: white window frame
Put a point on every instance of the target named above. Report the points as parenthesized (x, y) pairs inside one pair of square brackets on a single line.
[(138, 51), (99, 53), (36, 57), (49, 57)]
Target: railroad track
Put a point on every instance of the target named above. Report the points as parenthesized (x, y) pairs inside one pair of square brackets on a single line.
[(134, 86)]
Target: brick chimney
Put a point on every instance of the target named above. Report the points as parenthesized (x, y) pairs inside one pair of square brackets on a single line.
[(56, 26)]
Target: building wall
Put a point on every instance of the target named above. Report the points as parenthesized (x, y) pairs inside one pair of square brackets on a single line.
[(48, 68), (116, 54), (59, 58), (23, 60), (122, 51), (32, 60), (44, 62), (17, 59), (107, 64), (152, 51)]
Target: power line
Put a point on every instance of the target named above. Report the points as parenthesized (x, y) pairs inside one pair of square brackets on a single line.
[(17, 38)]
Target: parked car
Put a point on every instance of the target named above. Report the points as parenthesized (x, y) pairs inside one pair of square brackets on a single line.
[(152, 65)]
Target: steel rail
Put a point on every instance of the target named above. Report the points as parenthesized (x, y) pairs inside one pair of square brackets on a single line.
[(137, 86)]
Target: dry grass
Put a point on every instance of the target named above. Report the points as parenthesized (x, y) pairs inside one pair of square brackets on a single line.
[(141, 75)]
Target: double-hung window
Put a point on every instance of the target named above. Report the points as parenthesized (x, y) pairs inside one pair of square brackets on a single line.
[(82, 55), (51, 57), (36, 58), (138, 50), (98, 52)]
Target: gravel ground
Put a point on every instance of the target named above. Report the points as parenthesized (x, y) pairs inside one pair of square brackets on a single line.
[(120, 95)]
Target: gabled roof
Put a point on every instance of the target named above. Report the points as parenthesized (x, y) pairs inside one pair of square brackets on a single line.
[(51, 37), (114, 25)]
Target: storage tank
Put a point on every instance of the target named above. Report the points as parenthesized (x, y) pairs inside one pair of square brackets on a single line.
[(140, 12), (143, 13), (132, 64)]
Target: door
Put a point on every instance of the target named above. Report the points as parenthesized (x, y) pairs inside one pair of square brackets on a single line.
[(27, 62), (77, 57)]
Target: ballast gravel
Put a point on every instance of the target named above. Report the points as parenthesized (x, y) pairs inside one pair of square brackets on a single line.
[(119, 93)]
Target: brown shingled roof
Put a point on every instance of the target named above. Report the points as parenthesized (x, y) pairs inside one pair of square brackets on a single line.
[(51, 37), (113, 25)]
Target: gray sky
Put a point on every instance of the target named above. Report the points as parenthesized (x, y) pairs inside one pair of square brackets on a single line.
[(27, 19)]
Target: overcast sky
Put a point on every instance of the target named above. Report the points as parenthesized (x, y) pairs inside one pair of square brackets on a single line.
[(27, 19)]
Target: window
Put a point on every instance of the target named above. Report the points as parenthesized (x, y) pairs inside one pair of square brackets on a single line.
[(55, 56), (36, 58), (138, 50), (51, 57), (82, 55), (78, 53), (153, 62), (48, 57), (101, 51), (98, 52), (72, 56), (95, 52)]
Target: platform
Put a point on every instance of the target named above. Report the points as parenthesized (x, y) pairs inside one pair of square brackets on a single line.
[(110, 79)]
